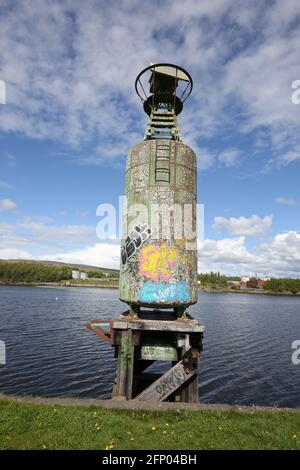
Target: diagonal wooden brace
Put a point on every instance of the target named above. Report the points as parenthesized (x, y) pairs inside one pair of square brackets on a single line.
[(169, 382)]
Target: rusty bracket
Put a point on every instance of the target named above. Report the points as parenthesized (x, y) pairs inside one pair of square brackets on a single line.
[(102, 328), (190, 359)]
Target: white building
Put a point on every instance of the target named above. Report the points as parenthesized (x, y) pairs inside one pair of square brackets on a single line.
[(79, 275), (75, 274)]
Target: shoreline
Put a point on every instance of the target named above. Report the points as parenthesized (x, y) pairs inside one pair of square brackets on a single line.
[(78, 423), (209, 290), (122, 404)]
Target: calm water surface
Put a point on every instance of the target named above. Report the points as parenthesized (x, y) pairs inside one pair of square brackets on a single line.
[(246, 358)]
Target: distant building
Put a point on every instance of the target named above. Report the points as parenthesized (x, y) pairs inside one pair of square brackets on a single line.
[(79, 275), (234, 284), (245, 279), (255, 283)]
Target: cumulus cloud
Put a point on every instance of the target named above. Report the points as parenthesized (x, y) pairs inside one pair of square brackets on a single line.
[(5, 185), (70, 77), (7, 205), (229, 157), (205, 159), (288, 201), (104, 255), (280, 258), (38, 235), (252, 226)]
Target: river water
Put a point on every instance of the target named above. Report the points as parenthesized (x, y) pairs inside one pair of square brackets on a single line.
[(247, 356)]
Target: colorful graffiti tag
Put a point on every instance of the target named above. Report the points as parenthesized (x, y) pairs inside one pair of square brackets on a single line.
[(160, 292), (157, 262), (134, 241)]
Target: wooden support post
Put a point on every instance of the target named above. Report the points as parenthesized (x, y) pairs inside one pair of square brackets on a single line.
[(189, 391), (139, 342), (125, 366), (130, 364)]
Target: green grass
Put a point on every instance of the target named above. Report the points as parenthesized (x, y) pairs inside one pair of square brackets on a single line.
[(30, 426)]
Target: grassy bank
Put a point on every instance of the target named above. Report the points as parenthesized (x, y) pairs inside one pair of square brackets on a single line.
[(31, 426)]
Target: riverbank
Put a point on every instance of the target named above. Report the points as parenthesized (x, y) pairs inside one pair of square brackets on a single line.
[(224, 290), (28, 424), (115, 285), (103, 285)]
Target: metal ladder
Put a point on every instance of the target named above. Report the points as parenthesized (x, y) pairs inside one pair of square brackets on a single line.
[(162, 161), (162, 125)]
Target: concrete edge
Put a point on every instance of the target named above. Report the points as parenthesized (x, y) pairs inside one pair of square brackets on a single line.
[(120, 404)]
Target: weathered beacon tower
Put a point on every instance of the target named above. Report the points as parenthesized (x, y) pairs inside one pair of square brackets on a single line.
[(158, 272), (158, 254)]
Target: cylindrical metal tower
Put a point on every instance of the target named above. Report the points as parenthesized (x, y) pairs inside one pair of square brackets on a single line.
[(159, 247)]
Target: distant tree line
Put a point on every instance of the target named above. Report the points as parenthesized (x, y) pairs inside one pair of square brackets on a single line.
[(101, 274), (96, 274), (283, 285), (215, 279), (33, 272)]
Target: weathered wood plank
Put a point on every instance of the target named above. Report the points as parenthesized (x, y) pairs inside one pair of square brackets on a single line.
[(189, 392), (123, 352), (190, 326), (130, 365), (167, 384)]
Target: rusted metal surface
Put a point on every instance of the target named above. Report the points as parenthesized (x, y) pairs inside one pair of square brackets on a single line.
[(159, 267), (102, 328), (158, 254), (159, 242)]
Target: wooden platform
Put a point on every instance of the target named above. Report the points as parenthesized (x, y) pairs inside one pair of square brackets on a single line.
[(155, 337)]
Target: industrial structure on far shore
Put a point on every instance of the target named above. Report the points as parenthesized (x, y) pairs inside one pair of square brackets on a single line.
[(248, 283), (79, 275)]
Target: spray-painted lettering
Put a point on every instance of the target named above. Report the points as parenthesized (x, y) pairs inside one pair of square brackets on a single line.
[(157, 262), (160, 292), (134, 241)]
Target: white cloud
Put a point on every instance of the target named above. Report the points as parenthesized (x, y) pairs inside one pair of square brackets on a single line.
[(230, 157), (5, 185), (104, 255), (279, 258), (71, 75), (56, 234), (7, 205), (251, 226), (227, 256), (38, 235), (288, 201), (205, 159), (14, 253)]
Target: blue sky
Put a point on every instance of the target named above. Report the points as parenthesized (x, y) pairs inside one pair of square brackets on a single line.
[(71, 114)]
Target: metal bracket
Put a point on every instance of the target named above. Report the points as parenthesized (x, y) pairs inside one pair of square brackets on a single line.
[(102, 328)]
